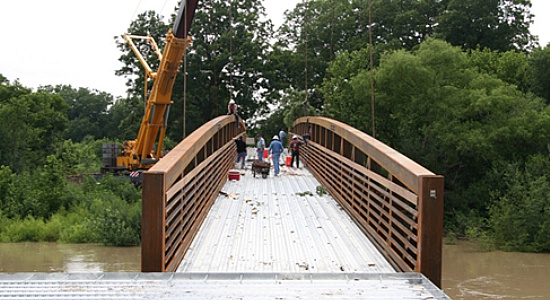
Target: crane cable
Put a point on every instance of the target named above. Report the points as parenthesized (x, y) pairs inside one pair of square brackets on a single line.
[(371, 69), (231, 65), (331, 58), (305, 57), (185, 80)]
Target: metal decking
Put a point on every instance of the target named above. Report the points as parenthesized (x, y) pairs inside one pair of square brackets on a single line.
[(280, 224), (216, 286)]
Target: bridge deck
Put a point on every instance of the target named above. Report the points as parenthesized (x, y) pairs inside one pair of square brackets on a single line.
[(280, 224)]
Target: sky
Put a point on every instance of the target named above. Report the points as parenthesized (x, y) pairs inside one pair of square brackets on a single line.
[(72, 42)]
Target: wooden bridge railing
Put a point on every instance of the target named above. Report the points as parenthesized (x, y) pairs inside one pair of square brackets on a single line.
[(180, 189), (395, 201)]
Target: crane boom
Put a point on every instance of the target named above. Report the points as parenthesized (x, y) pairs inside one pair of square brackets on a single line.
[(138, 154), (186, 14)]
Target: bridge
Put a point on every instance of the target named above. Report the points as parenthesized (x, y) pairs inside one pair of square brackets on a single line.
[(358, 220), (396, 204)]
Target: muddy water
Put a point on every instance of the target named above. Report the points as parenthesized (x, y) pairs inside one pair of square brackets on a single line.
[(471, 274), (52, 257), (467, 272)]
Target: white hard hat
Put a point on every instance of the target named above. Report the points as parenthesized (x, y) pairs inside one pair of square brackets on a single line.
[(294, 137), (231, 101), (275, 137)]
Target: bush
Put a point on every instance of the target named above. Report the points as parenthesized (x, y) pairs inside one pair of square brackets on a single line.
[(520, 217), (25, 230), (117, 222)]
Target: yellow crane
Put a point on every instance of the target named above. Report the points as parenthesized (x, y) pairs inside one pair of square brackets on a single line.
[(138, 155)]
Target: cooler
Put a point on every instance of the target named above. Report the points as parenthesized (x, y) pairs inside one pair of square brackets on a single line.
[(234, 175)]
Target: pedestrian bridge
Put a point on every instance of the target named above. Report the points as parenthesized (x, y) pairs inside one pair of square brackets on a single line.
[(357, 220), (356, 210)]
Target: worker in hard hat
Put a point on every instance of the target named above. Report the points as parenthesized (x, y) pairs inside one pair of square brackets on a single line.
[(275, 150)]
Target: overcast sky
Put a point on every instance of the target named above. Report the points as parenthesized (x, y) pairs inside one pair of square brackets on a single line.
[(71, 42)]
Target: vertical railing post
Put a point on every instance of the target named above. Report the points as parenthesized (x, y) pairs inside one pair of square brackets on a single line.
[(153, 222), (430, 227)]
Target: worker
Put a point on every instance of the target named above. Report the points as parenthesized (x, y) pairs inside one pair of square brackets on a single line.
[(275, 150), (282, 135), (260, 146), (232, 110), (241, 150), (307, 136), (295, 151)]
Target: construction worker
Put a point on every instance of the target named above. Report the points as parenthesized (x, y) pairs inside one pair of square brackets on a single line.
[(260, 146), (232, 110), (275, 149), (295, 150)]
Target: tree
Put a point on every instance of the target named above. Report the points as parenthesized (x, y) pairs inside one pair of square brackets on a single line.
[(519, 216), (342, 102), (539, 72), (33, 125), (147, 23), (511, 66), (228, 54), (403, 24), (227, 60), (88, 111), (500, 25), (435, 106), (312, 35)]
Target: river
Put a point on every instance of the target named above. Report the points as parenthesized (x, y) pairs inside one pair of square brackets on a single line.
[(467, 273)]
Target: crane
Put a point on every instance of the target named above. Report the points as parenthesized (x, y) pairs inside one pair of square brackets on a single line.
[(138, 155)]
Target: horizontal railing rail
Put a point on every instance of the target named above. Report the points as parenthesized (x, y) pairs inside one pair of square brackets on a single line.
[(180, 189), (394, 200)]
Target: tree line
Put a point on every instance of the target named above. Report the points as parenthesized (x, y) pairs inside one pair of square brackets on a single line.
[(461, 87)]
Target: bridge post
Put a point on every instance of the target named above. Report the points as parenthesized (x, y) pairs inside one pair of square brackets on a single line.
[(430, 227), (153, 222)]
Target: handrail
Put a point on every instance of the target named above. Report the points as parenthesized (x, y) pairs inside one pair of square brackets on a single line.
[(394, 200), (179, 190)]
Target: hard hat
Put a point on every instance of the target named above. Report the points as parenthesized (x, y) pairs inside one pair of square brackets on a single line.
[(275, 137), (294, 137), (231, 101)]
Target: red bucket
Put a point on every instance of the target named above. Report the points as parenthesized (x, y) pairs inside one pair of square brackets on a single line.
[(234, 175), (288, 160), (266, 153)]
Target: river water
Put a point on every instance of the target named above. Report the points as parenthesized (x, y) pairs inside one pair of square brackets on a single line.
[(467, 273)]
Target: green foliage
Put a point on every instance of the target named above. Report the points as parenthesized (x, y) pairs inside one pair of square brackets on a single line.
[(75, 226), (347, 89), (227, 61), (116, 222), (77, 158), (297, 107), (451, 113), (25, 230), (88, 111), (519, 215), (511, 66), (539, 72), (497, 25), (113, 211), (32, 126), (125, 118)]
